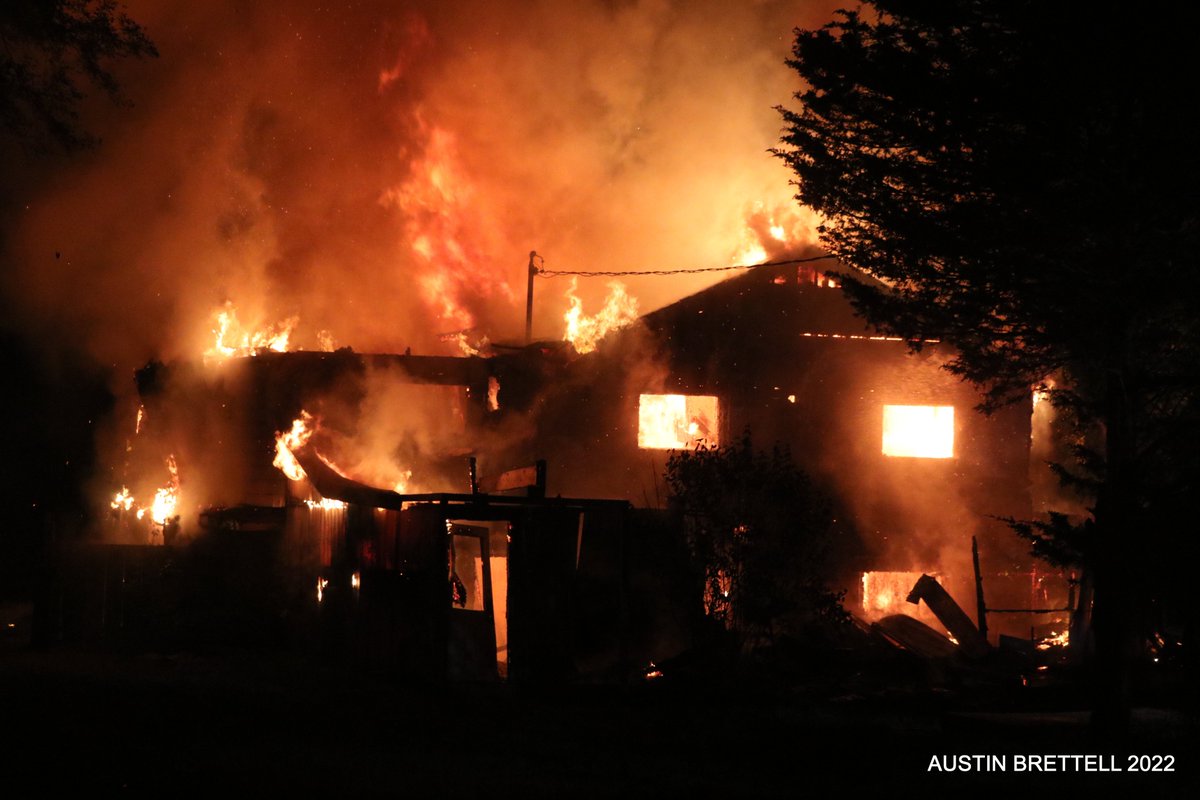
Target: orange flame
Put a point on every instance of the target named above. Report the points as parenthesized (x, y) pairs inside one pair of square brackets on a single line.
[(886, 593), (677, 421), (294, 439), (493, 393), (325, 504), (123, 500), (775, 232), (166, 499), (1061, 639), (918, 431), (585, 332), (235, 341), (446, 234)]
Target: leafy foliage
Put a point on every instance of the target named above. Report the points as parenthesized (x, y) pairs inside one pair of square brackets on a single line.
[(760, 535), (49, 51)]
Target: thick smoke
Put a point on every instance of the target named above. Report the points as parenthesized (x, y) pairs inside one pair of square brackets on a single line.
[(382, 170)]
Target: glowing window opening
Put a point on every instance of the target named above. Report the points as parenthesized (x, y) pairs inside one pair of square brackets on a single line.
[(918, 431), (677, 421)]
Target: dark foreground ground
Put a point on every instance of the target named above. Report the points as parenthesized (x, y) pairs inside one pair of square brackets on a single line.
[(190, 723)]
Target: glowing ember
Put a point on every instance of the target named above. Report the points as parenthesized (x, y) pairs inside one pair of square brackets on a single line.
[(294, 439), (355, 581), (321, 584), (233, 340), (717, 591), (677, 421), (123, 500), (325, 504), (584, 332), (1055, 640), (166, 499), (918, 431), (141, 415)]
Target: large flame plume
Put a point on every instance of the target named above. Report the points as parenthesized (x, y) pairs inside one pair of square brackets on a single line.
[(286, 442), (584, 332), (385, 176)]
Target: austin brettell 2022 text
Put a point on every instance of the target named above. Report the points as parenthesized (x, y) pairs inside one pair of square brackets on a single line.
[(1051, 763)]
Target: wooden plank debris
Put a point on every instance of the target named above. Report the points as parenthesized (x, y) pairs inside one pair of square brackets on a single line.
[(950, 614)]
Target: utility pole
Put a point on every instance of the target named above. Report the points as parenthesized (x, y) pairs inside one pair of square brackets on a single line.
[(529, 298)]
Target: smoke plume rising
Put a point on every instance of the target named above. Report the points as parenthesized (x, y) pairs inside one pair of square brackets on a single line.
[(381, 170)]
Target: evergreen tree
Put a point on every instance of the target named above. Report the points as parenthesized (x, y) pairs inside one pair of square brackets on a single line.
[(1021, 176)]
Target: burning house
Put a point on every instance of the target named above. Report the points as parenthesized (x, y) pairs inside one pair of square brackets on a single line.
[(895, 439), (417, 563), (387, 485)]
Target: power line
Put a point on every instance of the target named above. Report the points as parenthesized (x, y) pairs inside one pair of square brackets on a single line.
[(550, 273)]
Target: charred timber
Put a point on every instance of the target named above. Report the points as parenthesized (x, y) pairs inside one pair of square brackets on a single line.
[(950, 614), (337, 487)]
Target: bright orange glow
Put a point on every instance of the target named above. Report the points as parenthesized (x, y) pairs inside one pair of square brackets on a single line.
[(493, 393), (886, 593), (123, 500), (918, 431), (166, 499), (163, 508), (286, 442), (585, 332), (325, 504), (677, 421), (322, 583), (234, 341), (750, 254), (447, 231), (1061, 639)]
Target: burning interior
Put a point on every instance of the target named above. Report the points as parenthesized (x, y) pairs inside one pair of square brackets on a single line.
[(677, 422), (918, 431)]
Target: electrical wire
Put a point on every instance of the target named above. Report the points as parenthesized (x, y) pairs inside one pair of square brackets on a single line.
[(542, 272)]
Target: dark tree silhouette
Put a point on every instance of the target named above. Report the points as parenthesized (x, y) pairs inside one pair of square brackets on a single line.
[(1022, 178), (50, 51), (760, 535)]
